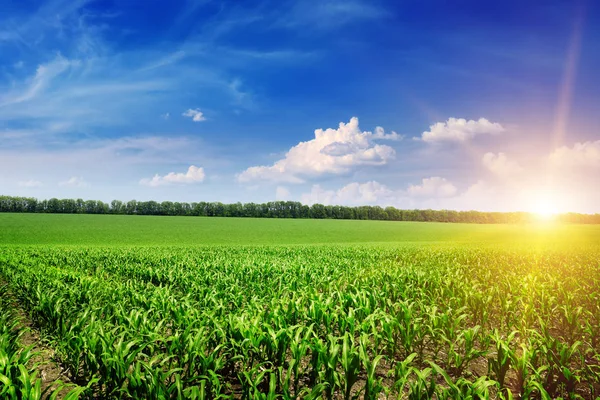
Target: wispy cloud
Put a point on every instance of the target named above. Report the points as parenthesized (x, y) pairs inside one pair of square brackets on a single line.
[(74, 182), (119, 157), (91, 82), (75, 92), (43, 77), (329, 14), (31, 183), (166, 60)]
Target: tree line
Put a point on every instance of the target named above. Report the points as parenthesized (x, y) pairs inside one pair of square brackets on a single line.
[(273, 209)]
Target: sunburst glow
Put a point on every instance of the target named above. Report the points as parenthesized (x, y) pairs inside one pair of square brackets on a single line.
[(545, 205)]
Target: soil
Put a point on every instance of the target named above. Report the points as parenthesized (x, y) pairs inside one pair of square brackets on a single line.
[(42, 361)]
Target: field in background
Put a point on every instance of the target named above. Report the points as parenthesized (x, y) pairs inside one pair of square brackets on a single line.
[(176, 307), (117, 230)]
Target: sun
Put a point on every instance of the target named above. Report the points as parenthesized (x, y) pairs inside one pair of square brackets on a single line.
[(546, 211), (545, 207)]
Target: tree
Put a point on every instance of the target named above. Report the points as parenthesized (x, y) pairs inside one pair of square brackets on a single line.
[(318, 211), (275, 209), (53, 206), (116, 207)]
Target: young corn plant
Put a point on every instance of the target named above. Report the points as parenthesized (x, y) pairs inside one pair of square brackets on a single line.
[(401, 374), (423, 385), (463, 388), (500, 364), (350, 363), (330, 358), (463, 350), (373, 384), (254, 381), (561, 376), (299, 348)]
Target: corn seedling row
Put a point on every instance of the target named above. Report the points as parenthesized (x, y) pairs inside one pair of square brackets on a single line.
[(314, 322)]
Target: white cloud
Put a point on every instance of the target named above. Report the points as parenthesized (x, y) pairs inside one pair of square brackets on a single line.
[(319, 195), (460, 130), (479, 196), (380, 134), (282, 193), (352, 194), (74, 181), (433, 193), (503, 197), (193, 175), (332, 151), (369, 192), (500, 165), (166, 116), (437, 193), (375, 193), (585, 154), (30, 183), (195, 114), (432, 187)]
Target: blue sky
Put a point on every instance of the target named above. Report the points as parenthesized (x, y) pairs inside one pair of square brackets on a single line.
[(416, 104)]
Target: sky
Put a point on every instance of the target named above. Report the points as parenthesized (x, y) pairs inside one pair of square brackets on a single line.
[(461, 105)]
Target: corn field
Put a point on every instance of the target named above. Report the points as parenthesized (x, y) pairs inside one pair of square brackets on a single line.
[(286, 322)]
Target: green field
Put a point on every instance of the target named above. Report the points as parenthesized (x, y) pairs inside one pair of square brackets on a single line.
[(204, 308), (119, 230)]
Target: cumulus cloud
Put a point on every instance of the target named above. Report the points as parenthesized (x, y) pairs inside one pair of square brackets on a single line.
[(74, 181), (31, 183), (282, 193), (479, 196), (460, 130), (432, 187), (585, 154), (195, 114), (332, 151), (193, 175), (433, 193), (500, 165), (373, 192)]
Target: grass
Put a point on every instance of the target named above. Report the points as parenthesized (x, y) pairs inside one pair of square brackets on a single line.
[(119, 230)]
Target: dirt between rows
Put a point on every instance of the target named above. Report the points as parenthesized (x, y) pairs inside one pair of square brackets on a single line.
[(42, 360)]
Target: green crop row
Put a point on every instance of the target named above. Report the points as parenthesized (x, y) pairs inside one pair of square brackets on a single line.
[(16, 379), (317, 321), (18, 375)]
